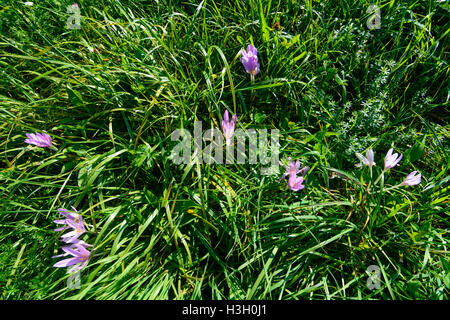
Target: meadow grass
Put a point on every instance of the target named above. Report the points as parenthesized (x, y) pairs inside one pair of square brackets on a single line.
[(111, 93)]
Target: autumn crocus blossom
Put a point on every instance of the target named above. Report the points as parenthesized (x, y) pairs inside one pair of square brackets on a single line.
[(295, 183), (80, 257), (74, 247), (78, 229), (412, 179), (369, 161), (42, 140), (391, 160), (74, 242), (250, 60), (74, 221), (291, 168), (69, 216), (228, 126)]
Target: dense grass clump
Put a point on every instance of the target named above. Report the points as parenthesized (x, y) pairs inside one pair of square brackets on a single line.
[(111, 93)]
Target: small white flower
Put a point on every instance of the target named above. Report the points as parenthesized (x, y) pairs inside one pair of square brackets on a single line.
[(391, 160), (28, 3), (370, 157), (412, 179)]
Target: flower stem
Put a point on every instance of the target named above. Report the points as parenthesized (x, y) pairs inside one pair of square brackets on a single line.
[(379, 177), (370, 182), (393, 187)]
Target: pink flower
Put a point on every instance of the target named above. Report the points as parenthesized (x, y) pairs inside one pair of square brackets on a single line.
[(391, 160), (74, 221), (250, 60), (228, 126), (75, 247), (369, 161), (295, 183), (78, 229), (292, 168), (39, 139), (69, 217), (80, 256), (74, 242), (412, 179)]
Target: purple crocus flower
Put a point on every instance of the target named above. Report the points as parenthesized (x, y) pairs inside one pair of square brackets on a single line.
[(412, 179), (295, 183), (74, 221), (370, 157), (228, 126), (78, 229), (250, 60), (74, 242), (69, 216), (391, 160), (80, 257), (39, 139), (291, 168)]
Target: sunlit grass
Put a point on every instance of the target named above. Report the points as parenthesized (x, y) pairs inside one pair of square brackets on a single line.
[(111, 93)]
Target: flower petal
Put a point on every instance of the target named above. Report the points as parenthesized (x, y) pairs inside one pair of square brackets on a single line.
[(66, 262)]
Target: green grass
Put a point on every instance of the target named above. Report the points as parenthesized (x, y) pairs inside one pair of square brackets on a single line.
[(111, 93)]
